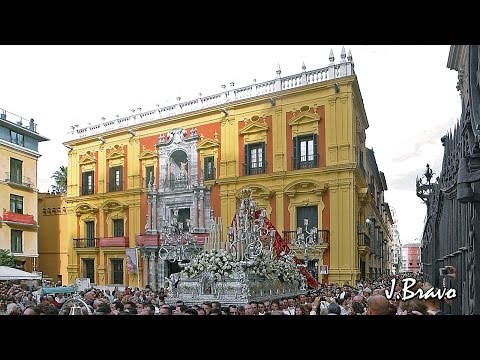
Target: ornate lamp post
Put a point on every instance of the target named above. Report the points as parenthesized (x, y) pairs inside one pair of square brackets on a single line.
[(178, 244), (306, 240), (249, 235)]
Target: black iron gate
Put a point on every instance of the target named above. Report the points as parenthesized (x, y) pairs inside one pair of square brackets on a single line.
[(452, 229)]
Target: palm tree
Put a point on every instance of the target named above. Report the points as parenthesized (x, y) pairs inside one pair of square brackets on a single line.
[(60, 177)]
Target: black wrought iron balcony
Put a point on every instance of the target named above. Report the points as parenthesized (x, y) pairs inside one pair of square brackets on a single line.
[(86, 190), (323, 237), (254, 168), (86, 243), (363, 240), (305, 162), (209, 175)]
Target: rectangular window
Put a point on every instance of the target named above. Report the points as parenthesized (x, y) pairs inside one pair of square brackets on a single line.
[(117, 271), (255, 159), (209, 168), (16, 138), (16, 241), (149, 175), (16, 175), (16, 204), (87, 182), (305, 154), (116, 178), (118, 227), (90, 233), (307, 212), (89, 269)]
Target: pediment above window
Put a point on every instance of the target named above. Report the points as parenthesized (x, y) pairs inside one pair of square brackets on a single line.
[(115, 153), (113, 205), (304, 118), (206, 144), (306, 187), (256, 191), (85, 209), (147, 154), (87, 158), (253, 128)]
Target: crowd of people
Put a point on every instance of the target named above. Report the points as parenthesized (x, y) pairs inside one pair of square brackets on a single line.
[(363, 298)]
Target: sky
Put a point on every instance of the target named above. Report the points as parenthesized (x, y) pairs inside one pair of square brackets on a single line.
[(409, 95)]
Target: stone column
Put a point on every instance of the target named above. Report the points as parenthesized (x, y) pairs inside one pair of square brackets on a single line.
[(153, 219), (195, 210), (161, 273), (151, 271), (201, 214), (145, 269)]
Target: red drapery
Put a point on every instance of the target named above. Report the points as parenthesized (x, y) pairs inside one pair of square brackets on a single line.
[(279, 245)]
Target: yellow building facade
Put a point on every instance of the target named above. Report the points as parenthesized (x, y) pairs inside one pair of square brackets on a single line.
[(18, 188), (298, 142), (52, 236)]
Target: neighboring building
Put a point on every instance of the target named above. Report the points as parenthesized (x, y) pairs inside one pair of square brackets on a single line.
[(298, 142), (52, 232), (18, 188), (376, 238), (411, 257), (396, 247)]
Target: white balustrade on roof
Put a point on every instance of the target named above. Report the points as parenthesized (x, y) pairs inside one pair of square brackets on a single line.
[(344, 68)]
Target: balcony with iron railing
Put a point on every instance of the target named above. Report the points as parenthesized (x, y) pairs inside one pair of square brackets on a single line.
[(228, 95), (147, 240), (19, 181), (254, 168), (86, 243), (363, 240), (114, 241), (86, 190), (209, 175), (322, 238), (156, 240), (305, 162), (10, 217)]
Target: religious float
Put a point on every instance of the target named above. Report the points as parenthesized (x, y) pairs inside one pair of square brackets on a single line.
[(253, 264)]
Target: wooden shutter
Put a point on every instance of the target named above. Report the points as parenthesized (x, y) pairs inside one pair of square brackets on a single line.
[(120, 177), (296, 154), (264, 159), (247, 159), (315, 151), (111, 179), (84, 183)]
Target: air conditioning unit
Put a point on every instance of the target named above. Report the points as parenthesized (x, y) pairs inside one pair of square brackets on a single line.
[(3, 116)]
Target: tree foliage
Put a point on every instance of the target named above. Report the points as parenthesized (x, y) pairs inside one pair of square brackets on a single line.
[(60, 178), (7, 259)]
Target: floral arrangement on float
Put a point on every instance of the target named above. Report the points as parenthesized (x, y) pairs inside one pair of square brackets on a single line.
[(218, 262), (287, 268)]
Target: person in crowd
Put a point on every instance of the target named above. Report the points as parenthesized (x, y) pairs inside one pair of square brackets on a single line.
[(233, 310), (378, 305), (207, 306), (31, 310), (190, 311)]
